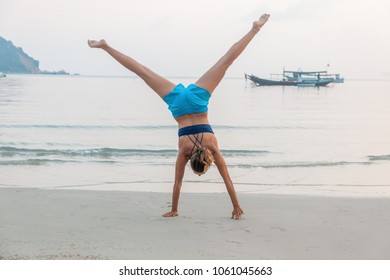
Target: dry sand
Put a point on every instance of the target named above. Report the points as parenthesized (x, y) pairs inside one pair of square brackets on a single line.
[(77, 224)]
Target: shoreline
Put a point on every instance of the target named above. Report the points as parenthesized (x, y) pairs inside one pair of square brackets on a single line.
[(200, 187), (80, 224)]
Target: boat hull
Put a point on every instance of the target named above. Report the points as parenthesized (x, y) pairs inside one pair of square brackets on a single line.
[(265, 82)]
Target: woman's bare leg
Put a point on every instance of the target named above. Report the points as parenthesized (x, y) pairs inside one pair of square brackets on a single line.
[(159, 84), (214, 75)]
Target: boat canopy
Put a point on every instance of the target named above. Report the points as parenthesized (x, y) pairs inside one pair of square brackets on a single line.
[(305, 72)]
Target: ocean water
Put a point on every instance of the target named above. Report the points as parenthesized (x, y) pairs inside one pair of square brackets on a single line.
[(114, 133)]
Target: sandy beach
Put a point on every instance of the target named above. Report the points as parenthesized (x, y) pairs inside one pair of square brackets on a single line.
[(78, 224)]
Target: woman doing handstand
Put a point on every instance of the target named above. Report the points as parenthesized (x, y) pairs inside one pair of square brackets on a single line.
[(189, 106)]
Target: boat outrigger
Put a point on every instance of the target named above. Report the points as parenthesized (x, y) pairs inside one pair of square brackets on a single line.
[(298, 78)]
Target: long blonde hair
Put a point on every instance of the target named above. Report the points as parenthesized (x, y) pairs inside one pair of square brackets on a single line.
[(201, 160)]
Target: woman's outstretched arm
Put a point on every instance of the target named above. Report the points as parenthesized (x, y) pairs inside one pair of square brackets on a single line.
[(181, 162), (214, 75), (159, 84), (222, 168)]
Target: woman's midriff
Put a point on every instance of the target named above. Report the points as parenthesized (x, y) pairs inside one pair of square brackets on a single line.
[(192, 119)]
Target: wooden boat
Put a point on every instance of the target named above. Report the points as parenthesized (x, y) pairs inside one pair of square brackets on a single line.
[(288, 81)]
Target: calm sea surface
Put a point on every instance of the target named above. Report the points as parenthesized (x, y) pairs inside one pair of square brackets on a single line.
[(115, 133)]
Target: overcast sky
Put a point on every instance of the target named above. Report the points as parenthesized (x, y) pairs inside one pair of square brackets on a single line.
[(185, 37)]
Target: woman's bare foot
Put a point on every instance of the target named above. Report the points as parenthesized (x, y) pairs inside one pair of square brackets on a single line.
[(97, 44), (171, 214), (257, 25)]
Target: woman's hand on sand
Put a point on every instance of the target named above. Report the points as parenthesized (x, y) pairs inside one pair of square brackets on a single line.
[(97, 44), (171, 214), (237, 213), (257, 25)]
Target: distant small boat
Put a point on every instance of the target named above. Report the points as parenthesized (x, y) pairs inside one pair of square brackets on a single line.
[(2, 75), (288, 82), (299, 78)]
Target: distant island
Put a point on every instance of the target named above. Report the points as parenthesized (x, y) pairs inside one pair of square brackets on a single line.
[(14, 60)]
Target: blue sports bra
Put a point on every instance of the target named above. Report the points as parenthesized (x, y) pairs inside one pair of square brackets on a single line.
[(187, 100)]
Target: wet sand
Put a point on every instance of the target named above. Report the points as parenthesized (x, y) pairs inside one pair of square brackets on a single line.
[(79, 224)]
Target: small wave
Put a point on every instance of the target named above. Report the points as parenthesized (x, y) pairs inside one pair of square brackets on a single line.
[(243, 153), (382, 157), (98, 153), (33, 162), (316, 164), (259, 127), (249, 158), (112, 152), (298, 164), (143, 127), (86, 127)]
